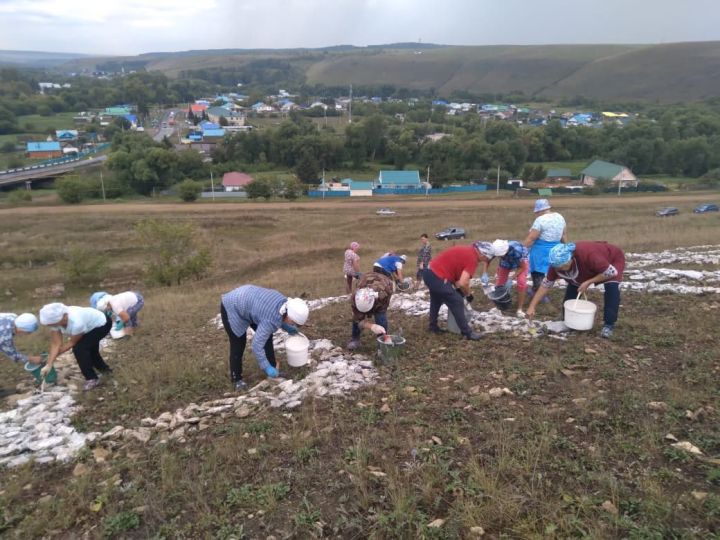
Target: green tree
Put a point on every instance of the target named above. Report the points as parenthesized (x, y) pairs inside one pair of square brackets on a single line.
[(538, 173), (70, 190), (259, 188), (189, 190), (307, 168)]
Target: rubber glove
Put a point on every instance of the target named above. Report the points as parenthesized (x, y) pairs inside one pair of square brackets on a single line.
[(289, 328), (485, 279), (377, 329), (119, 325), (45, 370), (271, 372), (469, 298)]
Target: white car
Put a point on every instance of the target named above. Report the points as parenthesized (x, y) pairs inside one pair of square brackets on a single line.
[(385, 212)]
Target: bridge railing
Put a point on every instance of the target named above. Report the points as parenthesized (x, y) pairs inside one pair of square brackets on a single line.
[(58, 161)]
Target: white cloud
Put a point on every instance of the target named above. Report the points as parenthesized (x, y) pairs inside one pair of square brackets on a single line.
[(135, 26)]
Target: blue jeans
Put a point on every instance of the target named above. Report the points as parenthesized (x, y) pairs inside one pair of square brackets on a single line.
[(612, 301), (443, 292), (380, 318)]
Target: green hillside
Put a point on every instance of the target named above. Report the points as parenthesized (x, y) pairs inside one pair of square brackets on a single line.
[(667, 73)]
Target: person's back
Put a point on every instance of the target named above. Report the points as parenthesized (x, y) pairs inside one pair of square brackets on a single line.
[(82, 320), (550, 226), (253, 304), (451, 263), (390, 263)]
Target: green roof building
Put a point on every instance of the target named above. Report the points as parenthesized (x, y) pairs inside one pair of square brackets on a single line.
[(604, 170)]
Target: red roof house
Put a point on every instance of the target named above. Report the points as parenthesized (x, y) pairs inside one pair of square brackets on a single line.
[(236, 181)]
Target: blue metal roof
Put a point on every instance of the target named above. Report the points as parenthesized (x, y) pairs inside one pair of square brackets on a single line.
[(400, 177), (213, 133), (360, 184), (50, 146)]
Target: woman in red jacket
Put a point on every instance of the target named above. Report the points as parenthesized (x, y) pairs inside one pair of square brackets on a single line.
[(583, 264)]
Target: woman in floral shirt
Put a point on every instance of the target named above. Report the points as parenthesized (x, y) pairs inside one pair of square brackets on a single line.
[(351, 266)]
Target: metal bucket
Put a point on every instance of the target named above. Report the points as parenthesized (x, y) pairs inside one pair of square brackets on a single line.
[(501, 296), (389, 350)]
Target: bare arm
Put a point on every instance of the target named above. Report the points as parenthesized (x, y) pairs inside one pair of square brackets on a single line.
[(563, 239), (539, 295), (70, 343), (55, 345), (533, 235), (464, 283), (124, 317)]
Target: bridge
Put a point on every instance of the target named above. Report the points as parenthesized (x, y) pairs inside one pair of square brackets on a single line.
[(46, 171)]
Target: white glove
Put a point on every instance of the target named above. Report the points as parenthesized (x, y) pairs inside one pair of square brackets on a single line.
[(520, 314), (377, 329)]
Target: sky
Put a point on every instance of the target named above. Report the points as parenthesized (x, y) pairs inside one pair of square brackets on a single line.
[(129, 27)]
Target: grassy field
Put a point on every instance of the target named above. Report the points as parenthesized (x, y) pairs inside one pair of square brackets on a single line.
[(581, 433)]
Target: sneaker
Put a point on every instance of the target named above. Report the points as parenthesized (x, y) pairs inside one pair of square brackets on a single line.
[(606, 332), (240, 386), (473, 336), (90, 384), (520, 314), (353, 344)]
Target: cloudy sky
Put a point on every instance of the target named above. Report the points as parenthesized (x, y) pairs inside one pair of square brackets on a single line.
[(137, 26)]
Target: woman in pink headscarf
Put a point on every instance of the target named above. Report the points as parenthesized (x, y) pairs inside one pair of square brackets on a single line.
[(351, 266)]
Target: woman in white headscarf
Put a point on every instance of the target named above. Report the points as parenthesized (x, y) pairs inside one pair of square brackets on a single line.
[(85, 327), (12, 325)]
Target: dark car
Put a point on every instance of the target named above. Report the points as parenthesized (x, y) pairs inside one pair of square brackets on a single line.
[(451, 233), (667, 211), (707, 207)]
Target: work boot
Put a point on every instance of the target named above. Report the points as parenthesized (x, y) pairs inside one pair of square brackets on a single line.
[(606, 332), (472, 336), (353, 344), (240, 385)]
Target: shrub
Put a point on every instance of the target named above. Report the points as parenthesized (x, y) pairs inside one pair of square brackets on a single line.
[(83, 267), (71, 190), (189, 190), (19, 196), (175, 251), (292, 189), (7, 147), (259, 188), (119, 523)]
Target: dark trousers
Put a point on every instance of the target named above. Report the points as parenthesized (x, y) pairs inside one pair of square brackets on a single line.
[(237, 347), (87, 351), (443, 292), (537, 279), (380, 318), (612, 301)]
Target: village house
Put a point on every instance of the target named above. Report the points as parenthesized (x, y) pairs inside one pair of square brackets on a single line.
[(43, 150), (236, 181), (399, 180), (603, 170), (557, 177), (234, 118)]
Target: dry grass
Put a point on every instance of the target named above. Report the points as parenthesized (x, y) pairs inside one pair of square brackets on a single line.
[(544, 474)]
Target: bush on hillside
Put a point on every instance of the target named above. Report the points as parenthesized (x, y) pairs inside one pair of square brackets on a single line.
[(20, 196), (175, 251), (83, 266), (189, 190), (71, 190)]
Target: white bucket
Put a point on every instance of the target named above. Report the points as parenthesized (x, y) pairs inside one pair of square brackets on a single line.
[(452, 323), (579, 314), (296, 350)]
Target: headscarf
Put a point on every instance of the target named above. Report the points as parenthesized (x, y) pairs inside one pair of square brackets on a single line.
[(500, 247), (95, 297), (485, 249), (52, 313), (354, 246), (561, 254), (27, 322), (103, 302)]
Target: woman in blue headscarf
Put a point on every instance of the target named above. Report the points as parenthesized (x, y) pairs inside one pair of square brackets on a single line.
[(548, 230), (584, 264)]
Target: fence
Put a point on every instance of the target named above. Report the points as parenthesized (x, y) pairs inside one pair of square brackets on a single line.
[(224, 195), (405, 191)]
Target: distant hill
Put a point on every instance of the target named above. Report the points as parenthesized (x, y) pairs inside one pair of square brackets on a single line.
[(36, 59), (666, 73)]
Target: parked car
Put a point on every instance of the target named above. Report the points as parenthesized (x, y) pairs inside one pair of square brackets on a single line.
[(707, 207), (385, 212), (667, 211), (451, 233)]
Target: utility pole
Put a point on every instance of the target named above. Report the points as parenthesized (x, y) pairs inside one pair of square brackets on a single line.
[(212, 185), (427, 182), (102, 185), (497, 189), (350, 107)]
